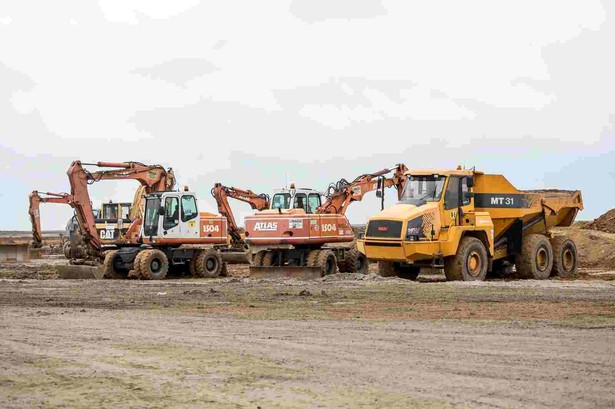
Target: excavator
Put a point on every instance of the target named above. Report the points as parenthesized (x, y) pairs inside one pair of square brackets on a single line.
[(310, 240), (97, 234)]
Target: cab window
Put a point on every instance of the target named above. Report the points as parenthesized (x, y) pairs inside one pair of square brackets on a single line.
[(125, 211), (465, 192), (451, 199), (281, 201), (189, 211), (110, 211), (171, 213), (300, 201), (313, 202)]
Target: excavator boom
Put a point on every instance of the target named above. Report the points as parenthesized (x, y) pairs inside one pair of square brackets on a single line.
[(35, 215), (257, 201)]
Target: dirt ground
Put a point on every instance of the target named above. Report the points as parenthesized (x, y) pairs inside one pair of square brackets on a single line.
[(341, 341)]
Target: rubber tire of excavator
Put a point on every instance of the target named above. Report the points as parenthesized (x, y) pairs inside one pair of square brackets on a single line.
[(354, 262), (192, 264), (312, 258), (527, 263), (66, 249), (135, 273), (201, 266), (257, 261), (560, 245), (456, 267), (145, 265), (326, 258), (108, 266)]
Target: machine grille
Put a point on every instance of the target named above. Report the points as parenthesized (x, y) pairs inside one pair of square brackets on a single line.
[(384, 228)]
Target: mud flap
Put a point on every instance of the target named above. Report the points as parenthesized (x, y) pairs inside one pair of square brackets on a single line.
[(303, 273), (80, 272)]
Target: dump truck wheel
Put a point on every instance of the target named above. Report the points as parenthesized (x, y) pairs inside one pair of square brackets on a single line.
[(354, 262), (154, 265), (109, 268), (312, 258), (470, 263), (536, 258), (208, 264), (564, 257), (66, 249), (257, 261), (387, 269), (410, 272), (327, 262), (271, 258)]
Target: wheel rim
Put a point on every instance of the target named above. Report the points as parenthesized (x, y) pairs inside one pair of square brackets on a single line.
[(474, 264), (155, 265), (542, 259), (568, 260), (210, 264)]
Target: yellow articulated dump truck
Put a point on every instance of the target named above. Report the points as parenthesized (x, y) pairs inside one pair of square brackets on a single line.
[(471, 223)]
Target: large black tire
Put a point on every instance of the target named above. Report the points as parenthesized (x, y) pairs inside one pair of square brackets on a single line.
[(327, 262), (312, 258), (354, 262), (387, 269), (66, 249), (470, 263), (271, 259), (192, 264), (396, 269), (565, 257), (536, 258), (135, 273), (110, 270), (208, 264), (153, 265), (408, 272), (257, 261)]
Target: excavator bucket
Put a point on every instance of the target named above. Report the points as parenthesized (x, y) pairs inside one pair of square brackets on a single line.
[(80, 272), (303, 273)]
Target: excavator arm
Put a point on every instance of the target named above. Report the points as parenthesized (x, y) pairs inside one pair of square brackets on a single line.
[(152, 178), (222, 193), (34, 211), (342, 193)]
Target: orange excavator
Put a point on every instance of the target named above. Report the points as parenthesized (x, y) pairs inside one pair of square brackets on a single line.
[(297, 243), (152, 178), (257, 201)]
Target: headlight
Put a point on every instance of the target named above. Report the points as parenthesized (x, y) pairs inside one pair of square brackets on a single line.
[(414, 229)]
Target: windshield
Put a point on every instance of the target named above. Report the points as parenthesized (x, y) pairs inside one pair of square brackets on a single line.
[(281, 201), (150, 224), (422, 189)]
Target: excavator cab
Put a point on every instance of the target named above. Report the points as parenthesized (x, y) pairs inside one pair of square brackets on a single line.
[(296, 198), (112, 221)]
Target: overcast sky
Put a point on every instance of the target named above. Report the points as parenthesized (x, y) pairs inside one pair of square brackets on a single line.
[(242, 92)]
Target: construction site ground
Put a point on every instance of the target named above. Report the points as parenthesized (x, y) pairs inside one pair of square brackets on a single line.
[(340, 341)]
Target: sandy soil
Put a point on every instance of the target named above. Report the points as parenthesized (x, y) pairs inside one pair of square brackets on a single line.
[(343, 341)]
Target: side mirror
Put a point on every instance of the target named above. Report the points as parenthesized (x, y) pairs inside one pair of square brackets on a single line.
[(161, 211), (379, 194), (470, 181)]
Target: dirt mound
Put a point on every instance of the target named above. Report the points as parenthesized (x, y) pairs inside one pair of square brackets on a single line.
[(605, 223)]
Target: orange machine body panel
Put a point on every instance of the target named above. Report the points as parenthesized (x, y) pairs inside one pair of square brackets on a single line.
[(296, 227)]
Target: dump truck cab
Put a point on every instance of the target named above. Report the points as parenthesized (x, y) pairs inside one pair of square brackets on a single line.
[(442, 213)]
